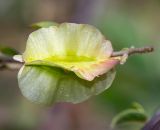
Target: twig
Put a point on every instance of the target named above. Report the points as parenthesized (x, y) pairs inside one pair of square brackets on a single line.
[(131, 51), (7, 62)]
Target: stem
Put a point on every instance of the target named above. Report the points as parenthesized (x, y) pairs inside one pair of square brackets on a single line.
[(132, 51), (7, 62)]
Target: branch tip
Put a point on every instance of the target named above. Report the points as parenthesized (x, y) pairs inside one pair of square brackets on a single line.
[(7, 62), (133, 50)]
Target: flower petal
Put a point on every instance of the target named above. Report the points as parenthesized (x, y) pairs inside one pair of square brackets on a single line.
[(45, 85), (76, 47)]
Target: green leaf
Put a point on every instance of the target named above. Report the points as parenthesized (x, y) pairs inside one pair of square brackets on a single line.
[(138, 107), (47, 85), (134, 114), (43, 24), (8, 51)]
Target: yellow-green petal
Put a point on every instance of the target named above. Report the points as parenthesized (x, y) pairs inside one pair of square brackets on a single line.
[(47, 85), (79, 48)]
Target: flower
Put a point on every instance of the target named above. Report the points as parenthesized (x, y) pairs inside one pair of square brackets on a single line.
[(73, 48)]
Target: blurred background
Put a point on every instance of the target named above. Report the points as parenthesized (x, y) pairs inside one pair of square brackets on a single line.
[(125, 23)]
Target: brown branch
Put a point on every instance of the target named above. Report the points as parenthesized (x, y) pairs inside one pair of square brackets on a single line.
[(7, 62), (131, 51)]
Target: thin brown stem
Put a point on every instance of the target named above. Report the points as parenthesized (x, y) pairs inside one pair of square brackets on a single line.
[(7, 62), (131, 51)]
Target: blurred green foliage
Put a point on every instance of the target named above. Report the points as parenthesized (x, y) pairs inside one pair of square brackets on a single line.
[(125, 23), (43, 24), (139, 79), (8, 51), (134, 114)]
